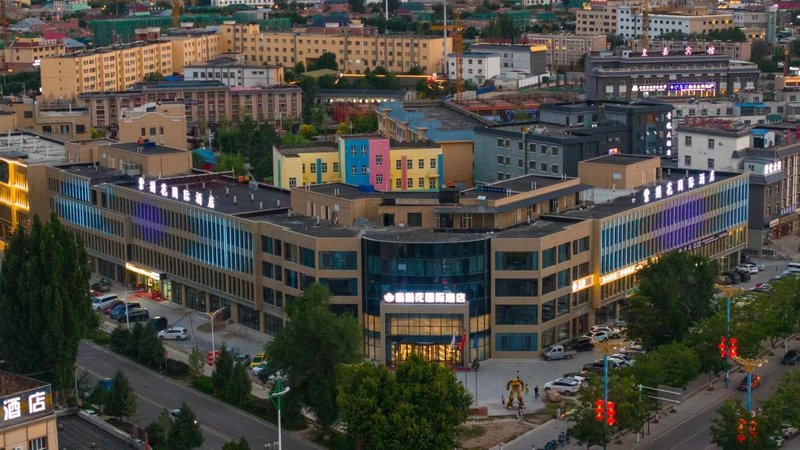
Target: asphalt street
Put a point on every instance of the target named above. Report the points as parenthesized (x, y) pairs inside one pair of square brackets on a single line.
[(219, 422), (695, 433)]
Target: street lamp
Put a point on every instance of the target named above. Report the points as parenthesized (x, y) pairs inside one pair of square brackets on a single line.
[(278, 391), (605, 348), (211, 316), (749, 366), (127, 318)]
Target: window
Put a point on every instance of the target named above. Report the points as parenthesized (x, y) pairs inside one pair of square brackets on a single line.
[(336, 167), (398, 164), (543, 167), (410, 182), (421, 163), (687, 160), (324, 167), (353, 170), (291, 278), (545, 150), (364, 170), (687, 141), (307, 257), (378, 160), (554, 151), (554, 168), (516, 260), (499, 142), (516, 342), (313, 168), (520, 163), (398, 183), (514, 287), (710, 163), (363, 150), (421, 182), (433, 163), (338, 260), (29, 115), (711, 144), (379, 178), (341, 286), (548, 257), (415, 219), (432, 183), (500, 159), (353, 150), (292, 182), (39, 443), (516, 314), (409, 163)]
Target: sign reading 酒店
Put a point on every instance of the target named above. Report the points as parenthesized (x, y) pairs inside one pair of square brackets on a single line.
[(26, 405)]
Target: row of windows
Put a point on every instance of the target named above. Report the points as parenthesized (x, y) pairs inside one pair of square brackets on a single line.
[(290, 252), (530, 260), (545, 149)]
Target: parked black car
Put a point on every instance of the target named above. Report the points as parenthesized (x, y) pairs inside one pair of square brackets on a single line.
[(135, 315), (104, 285), (581, 344), (745, 275), (735, 276), (791, 358), (159, 323)]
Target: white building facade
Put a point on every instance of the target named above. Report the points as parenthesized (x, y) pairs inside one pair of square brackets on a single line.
[(711, 144), (235, 75), (477, 67)]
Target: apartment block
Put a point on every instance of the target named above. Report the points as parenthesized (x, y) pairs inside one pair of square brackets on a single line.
[(356, 48), (601, 19), (694, 21), (23, 52), (59, 119), (118, 68), (566, 49)]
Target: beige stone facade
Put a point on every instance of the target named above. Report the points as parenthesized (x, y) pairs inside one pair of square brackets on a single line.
[(565, 49), (130, 157), (60, 120), (118, 69), (162, 123), (356, 49), (23, 52)]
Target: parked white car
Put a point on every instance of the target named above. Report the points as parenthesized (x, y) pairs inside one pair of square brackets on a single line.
[(566, 386), (613, 332), (174, 334), (599, 336), (625, 359)]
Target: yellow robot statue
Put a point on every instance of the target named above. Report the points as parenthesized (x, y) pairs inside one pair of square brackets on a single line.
[(516, 386)]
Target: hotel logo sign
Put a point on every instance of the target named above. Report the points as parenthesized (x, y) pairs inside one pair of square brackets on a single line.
[(430, 298), (175, 193), (26, 405)]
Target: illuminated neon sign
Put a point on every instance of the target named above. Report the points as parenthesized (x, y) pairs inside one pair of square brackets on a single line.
[(771, 168), (683, 184), (649, 87), (424, 297), (669, 134), (581, 283), (175, 193), (705, 86)]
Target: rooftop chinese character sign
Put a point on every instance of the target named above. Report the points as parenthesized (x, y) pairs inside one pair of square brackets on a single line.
[(27, 405)]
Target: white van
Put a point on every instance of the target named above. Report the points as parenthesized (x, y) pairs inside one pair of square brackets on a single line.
[(794, 266), (101, 301)]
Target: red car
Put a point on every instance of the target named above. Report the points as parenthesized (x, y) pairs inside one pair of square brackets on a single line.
[(755, 380), (107, 309)]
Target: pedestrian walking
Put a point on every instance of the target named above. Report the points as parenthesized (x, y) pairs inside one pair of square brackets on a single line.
[(536, 392)]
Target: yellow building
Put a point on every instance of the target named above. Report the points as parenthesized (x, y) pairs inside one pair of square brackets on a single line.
[(119, 68), (162, 123), (304, 166), (60, 120), (356, 49), (415, 167), (23, 52)]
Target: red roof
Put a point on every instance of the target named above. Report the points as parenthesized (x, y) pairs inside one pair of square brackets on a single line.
[(54, 35)]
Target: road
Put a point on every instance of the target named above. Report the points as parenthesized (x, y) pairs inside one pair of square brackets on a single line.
[(695, 433), (219, 422)]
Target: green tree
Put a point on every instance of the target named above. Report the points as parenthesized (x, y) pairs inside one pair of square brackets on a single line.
[(185, 432), (238, 386), (299, 67), (674, 292), (421, 405), (779, 314), (366, 124), (673, 364), (153, 77), (196, 361), (704, 340), (783, 403), (336, 339), (43, 293), (96, 134), (724, 429), (307, 131), (151, 349), (223, 369), (132, 346), (293, 140), (501, 27), (158, 431), (326, 60), (759, 50), (231, 162), (120, 338), (121, 400), (233, 445), (342, 128)]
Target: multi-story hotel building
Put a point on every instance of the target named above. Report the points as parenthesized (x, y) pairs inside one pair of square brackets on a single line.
[(600, 19), (735, 50), (205, 102), (29, 419), (664, 73), (356, 48), (23, 52), (118, 68), (696, 21), (515, 265)]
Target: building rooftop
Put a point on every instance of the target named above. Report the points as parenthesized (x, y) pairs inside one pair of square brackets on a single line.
[(309, 226), (604, 202), (553, 130), (620, 160), (537, 229), (347, 191), (31, 149), (440, 122), (75, 431), (506, 188), (97, 174), (146, 149), (11, 383), (420, 235), (322, 147)]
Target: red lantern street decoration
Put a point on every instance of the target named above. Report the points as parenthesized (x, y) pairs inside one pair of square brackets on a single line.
[(733, 350), (740, 430), (610, 413), (721, 347), (599, 411), (753, 428)]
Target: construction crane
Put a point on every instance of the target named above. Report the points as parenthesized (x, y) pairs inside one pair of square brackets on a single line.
[(177, 6), (458, 48), (646, 25)]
